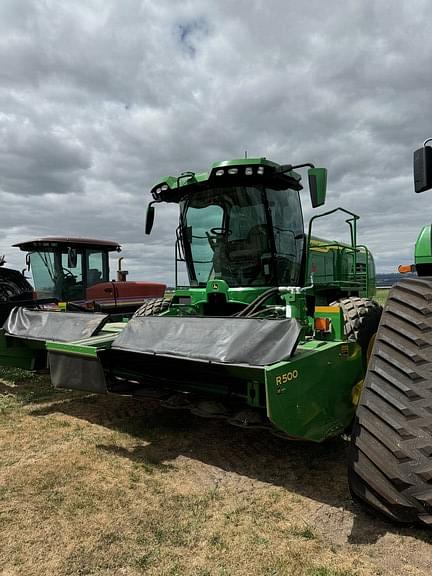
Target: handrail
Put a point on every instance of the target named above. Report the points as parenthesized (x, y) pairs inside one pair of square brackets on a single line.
[(367, 266), (352, 222)]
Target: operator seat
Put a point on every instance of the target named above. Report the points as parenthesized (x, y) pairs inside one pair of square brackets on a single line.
[(257, 239), (239, 262), (259, 244), (94, 276)]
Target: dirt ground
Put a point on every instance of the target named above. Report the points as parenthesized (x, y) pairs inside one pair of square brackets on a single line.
[(107, 485)]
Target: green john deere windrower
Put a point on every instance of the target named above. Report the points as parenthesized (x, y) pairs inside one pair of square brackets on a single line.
[(274, 328), (391, 448)]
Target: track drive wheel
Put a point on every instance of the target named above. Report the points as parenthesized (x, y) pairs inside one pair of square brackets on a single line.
[(153, 307), (390, 464), (361, 318)]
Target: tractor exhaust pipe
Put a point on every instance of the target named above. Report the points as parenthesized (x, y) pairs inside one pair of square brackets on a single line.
[(121, 274)]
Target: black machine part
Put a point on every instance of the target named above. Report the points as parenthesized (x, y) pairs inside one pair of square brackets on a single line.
[(55, 326), (70, 372)]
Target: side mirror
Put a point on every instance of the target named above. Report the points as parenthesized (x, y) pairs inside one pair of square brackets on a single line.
[(72, 258), (149, 218), (423, 169), (317, 186), (28, 261)]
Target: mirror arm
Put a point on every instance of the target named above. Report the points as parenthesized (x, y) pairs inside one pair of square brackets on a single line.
[(288, 167)]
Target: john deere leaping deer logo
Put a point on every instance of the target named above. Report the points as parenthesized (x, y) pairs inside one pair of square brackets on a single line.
[(215, 285)]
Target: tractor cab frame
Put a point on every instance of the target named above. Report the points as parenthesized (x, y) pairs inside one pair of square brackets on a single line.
[(64, 268)]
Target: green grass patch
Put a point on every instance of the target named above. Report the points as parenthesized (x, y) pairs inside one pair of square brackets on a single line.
[(304, 532), (15, 375), (381, 295)]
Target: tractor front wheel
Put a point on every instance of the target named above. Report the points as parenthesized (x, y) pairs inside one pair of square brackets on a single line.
[(390, 465), (153, 307), (361, 319)]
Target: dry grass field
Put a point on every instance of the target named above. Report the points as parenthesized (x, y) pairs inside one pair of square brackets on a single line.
[(94, 485)]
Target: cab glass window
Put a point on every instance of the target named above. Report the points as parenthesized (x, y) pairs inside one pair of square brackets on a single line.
[(95, 267)]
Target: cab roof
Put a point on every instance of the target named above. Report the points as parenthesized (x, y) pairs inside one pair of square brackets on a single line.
[(68, 242), (236, 172)]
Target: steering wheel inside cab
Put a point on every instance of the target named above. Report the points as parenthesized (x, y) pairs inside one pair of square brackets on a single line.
[(68, 274), (216, 235)]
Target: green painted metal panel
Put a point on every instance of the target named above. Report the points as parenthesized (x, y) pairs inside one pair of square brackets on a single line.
[(88, 347), (335, 314), (423, 246), (199, 296), (20, 353), (310, 396)]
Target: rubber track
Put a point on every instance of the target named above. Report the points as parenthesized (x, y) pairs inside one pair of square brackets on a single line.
[(153, 307), (390, 460)]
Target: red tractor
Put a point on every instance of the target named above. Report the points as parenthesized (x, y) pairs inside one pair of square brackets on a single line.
[(73, 273)]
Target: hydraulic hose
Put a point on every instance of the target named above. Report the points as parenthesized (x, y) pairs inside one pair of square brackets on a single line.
[(259, 301)]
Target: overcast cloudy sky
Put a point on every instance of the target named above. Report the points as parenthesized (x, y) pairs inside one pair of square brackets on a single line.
[(100, 98)]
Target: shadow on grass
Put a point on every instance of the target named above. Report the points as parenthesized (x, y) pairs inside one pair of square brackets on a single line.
[(317, 471)]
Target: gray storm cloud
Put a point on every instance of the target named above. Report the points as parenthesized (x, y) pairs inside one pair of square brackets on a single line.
[(99, 100)]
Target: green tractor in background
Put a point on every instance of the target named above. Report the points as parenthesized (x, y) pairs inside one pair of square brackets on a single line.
[(390, 460), (274, 328)]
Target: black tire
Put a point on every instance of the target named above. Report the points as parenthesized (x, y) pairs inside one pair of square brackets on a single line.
[(13, 286), (153, 307), (14, 291), (390, 465), (8, 290), (361, 317)]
